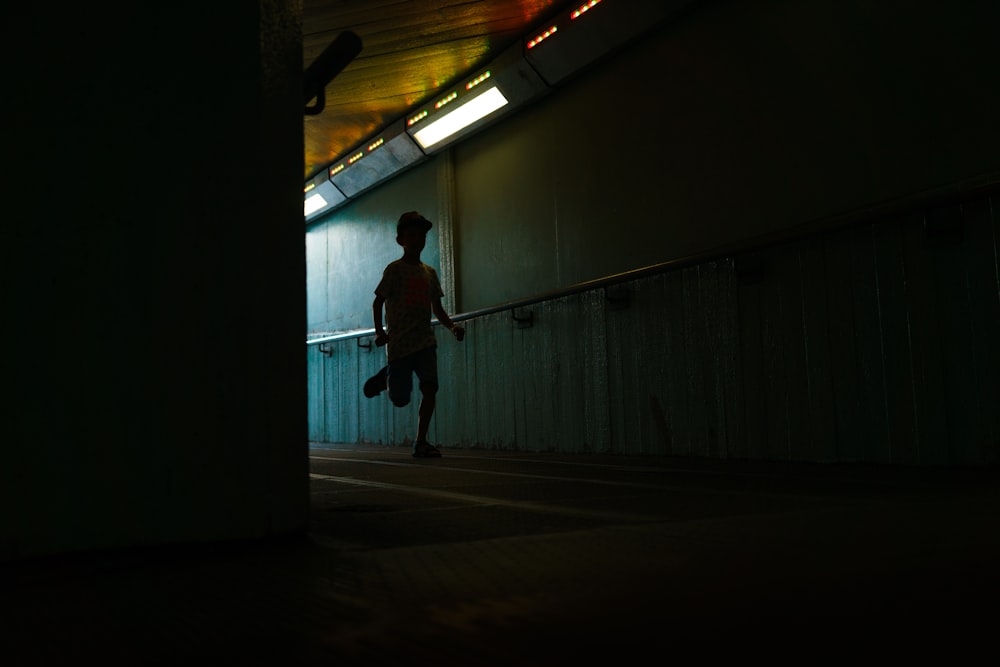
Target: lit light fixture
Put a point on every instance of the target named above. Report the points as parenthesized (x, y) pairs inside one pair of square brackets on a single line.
[(313, 204), (320, 196), (461, 117)]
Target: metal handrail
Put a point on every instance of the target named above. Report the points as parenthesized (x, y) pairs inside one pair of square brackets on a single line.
[(531, 300), (755, 244)]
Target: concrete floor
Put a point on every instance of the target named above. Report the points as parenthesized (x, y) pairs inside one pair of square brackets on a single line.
[(502, 558)]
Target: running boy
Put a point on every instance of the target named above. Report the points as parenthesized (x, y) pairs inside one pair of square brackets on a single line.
[(410, 291)]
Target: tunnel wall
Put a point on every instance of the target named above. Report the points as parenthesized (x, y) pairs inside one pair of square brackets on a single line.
[(874, 343)]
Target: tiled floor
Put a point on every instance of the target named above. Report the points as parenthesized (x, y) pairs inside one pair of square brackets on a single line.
[(487, 558)]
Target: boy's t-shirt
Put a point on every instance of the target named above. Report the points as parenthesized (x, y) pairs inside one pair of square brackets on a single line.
[(408, 290)]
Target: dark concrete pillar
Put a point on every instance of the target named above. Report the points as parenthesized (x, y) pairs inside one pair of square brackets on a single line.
[(154, 276)]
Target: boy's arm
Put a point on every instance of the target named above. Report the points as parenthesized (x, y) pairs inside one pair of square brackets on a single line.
[(380, 336), (443, 318)]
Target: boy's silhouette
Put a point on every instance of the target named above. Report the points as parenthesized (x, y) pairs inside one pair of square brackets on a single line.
[(410, 291)]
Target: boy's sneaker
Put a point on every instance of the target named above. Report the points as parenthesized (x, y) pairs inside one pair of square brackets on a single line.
[(425, 450), (375, 385)]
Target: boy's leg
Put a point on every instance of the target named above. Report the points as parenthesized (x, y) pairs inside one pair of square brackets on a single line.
[(376, 384), (428, 401), (399, 380), (425, 367)]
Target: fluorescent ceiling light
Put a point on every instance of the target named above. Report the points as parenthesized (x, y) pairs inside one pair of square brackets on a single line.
[(314, 203), (458, 119)]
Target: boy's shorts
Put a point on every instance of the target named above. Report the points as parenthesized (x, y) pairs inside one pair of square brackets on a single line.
[(399, 378)]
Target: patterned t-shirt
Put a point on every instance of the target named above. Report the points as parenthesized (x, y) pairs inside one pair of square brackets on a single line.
[(408, 290)]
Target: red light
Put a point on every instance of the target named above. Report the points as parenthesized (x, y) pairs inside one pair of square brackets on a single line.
[(418, 117), (541, 38), (583, 8)]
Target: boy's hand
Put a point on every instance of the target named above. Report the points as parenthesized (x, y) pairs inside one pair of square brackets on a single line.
[(381, 338), (459, 332)]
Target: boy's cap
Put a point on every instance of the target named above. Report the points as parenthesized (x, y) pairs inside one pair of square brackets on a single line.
[(413, 219)]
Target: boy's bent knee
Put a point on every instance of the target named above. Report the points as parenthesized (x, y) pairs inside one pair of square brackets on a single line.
[(400, 401)]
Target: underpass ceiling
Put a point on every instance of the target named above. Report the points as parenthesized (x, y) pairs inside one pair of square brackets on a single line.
[(410, 49)]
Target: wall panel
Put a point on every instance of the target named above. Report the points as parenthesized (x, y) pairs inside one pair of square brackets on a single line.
[(563, 321), (869, 438), (980, 352), (816, 332), (316, 390), (497, 378), (634, 335), (537, 375), (926, 297), (897, 353), (846, 373)]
